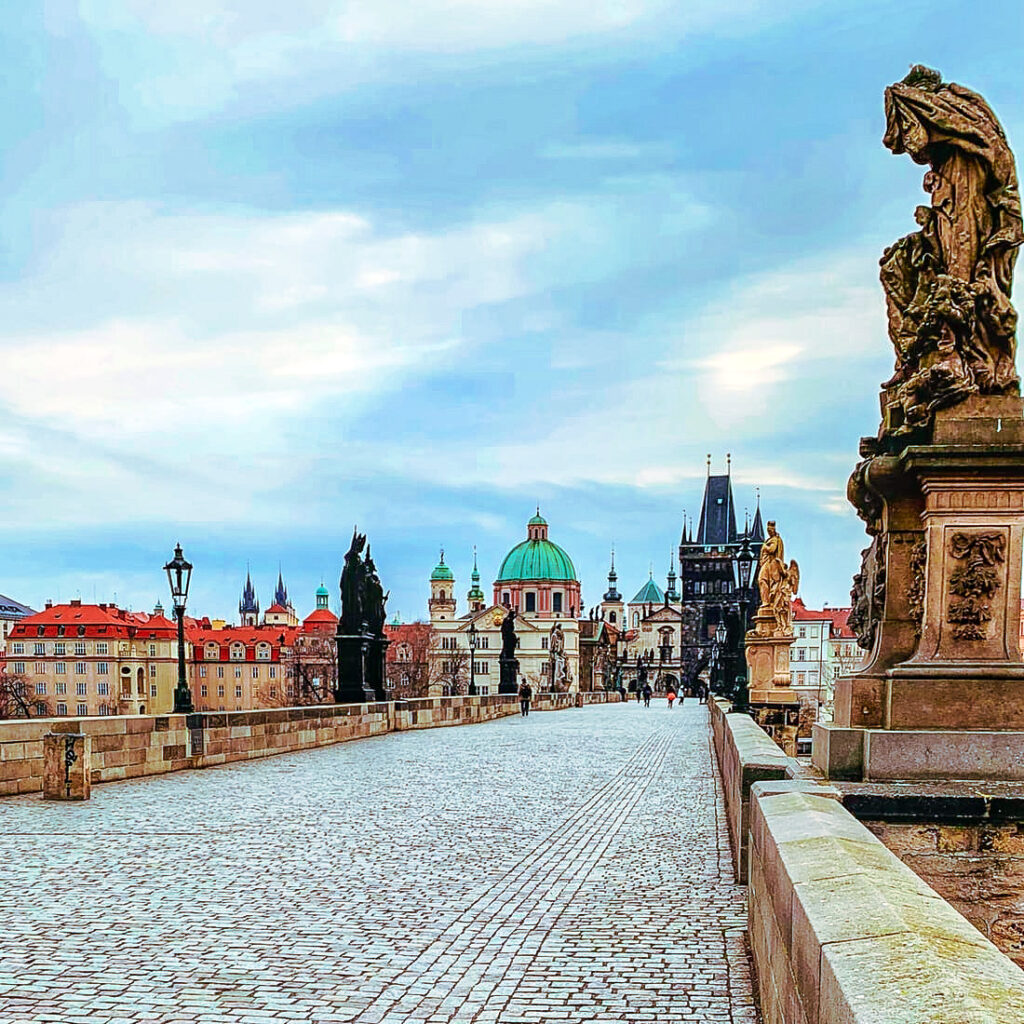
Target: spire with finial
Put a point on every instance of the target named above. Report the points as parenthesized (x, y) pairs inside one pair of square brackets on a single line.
[(612, 594), (475, 596), (248, 606), (756, 532), (281, 592), (671, 594)]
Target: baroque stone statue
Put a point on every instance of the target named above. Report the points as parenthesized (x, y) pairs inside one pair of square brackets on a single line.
[(556, 654), (947, 285), (777, 583)]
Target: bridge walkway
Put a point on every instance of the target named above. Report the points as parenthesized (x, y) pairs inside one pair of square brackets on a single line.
[(566, 868)]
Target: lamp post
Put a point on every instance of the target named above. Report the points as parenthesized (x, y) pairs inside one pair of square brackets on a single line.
[(472, 659), (742, 568), (179, 576)]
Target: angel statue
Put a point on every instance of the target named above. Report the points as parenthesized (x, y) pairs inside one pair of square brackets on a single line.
[(777, 583)]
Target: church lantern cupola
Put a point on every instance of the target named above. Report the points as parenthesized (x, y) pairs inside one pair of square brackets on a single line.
[(475, 596), (442, 591)]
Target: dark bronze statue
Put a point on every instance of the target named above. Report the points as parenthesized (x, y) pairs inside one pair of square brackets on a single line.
[(509, 640), (352, 574), (947, 285)]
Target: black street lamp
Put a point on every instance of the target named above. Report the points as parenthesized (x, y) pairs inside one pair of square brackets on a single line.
[(742, 567), (472, 659), (179, 575)]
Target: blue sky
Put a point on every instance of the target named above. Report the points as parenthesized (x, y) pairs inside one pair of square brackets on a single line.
[(269, 270)]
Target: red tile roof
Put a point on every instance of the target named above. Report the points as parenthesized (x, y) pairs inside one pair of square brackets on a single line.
[(836, 617)]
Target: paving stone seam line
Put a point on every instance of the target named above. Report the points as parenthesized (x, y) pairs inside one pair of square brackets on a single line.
[(653, 752), (577, 879), (554, 853)]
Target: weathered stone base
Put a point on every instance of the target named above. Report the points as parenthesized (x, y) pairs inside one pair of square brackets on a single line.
[(917, 754), (67, 766)]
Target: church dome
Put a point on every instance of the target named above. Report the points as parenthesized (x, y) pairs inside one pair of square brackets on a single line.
[(441, 572), (322, 591), (536, 558)]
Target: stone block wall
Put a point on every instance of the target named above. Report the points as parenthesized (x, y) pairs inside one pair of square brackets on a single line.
[(130, 746), (842, 931), (977, 868), (746, 754)]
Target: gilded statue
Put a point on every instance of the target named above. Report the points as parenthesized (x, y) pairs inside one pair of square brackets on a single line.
[(947, 285), (777, 583)]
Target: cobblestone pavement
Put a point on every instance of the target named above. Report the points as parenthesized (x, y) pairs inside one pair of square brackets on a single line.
[(564, 868)]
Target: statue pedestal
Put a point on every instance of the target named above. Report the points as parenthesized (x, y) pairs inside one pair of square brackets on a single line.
[(768, 678), (941, 693), (509, 677), (355, 655)]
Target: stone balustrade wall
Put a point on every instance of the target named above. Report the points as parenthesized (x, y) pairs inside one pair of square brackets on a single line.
[(130, 746), (841, 931), (746, 754)]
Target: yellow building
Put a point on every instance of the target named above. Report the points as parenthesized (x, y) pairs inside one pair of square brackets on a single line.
[(95, 659)]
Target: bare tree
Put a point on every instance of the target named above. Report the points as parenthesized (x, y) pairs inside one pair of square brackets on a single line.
[(450, 671), (18, 698), (309, 674)]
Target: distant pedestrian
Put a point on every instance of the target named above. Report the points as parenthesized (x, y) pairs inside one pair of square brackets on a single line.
[(622, 693), (648, 693), (525, 696), (671, 695), (702, 693)]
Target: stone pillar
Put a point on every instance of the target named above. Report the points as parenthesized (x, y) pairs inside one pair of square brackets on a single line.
[(67, 766), (376, 666), (768, 678), (509, 678), (945, 663), (353, 651)]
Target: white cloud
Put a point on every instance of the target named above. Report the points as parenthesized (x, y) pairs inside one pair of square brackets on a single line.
[(182, 58)]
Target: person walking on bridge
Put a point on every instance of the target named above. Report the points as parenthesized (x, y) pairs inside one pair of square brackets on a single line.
[(648, 694), (525, 696), (671, 695)]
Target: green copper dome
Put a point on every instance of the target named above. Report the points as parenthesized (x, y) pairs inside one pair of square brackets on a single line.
[(537, 560), (538, 520), (322, 591), (441, 572)]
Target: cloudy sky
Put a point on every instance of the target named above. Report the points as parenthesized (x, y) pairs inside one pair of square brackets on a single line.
[(269, 270)]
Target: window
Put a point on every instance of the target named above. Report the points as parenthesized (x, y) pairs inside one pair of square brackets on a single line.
[(83, 710), (482, 642), (444, 667), (79, 668), (39, 650), (506, 598), (60, 668), (800, 679), (60, 631), (611, 616), (220, 690), (800, 653), (273, 691), (81, 689), (263, 652), (483, 667), (152, 689), (40, 668), (556, 601), (237, 652), (544, 643), (19, 668), (40, 689), (81, 631), (273, 671), (152, 650), (803, 631), (152, 671), (104, 710), (238, 671), (204, 690), (40, 631), (238, 691), (202, 671), (62, 709), (531, 601), (103, 689), (636, 619), (255, 671), (79, 648), (220, 671), (41, 708), (101, 647), (102, 668), (60, 688), (60, 649), (17, 648)]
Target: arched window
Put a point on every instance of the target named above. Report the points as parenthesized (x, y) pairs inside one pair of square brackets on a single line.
[(238, 652), (611, 617), (442, 595), (636, 619), (263, 652)]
